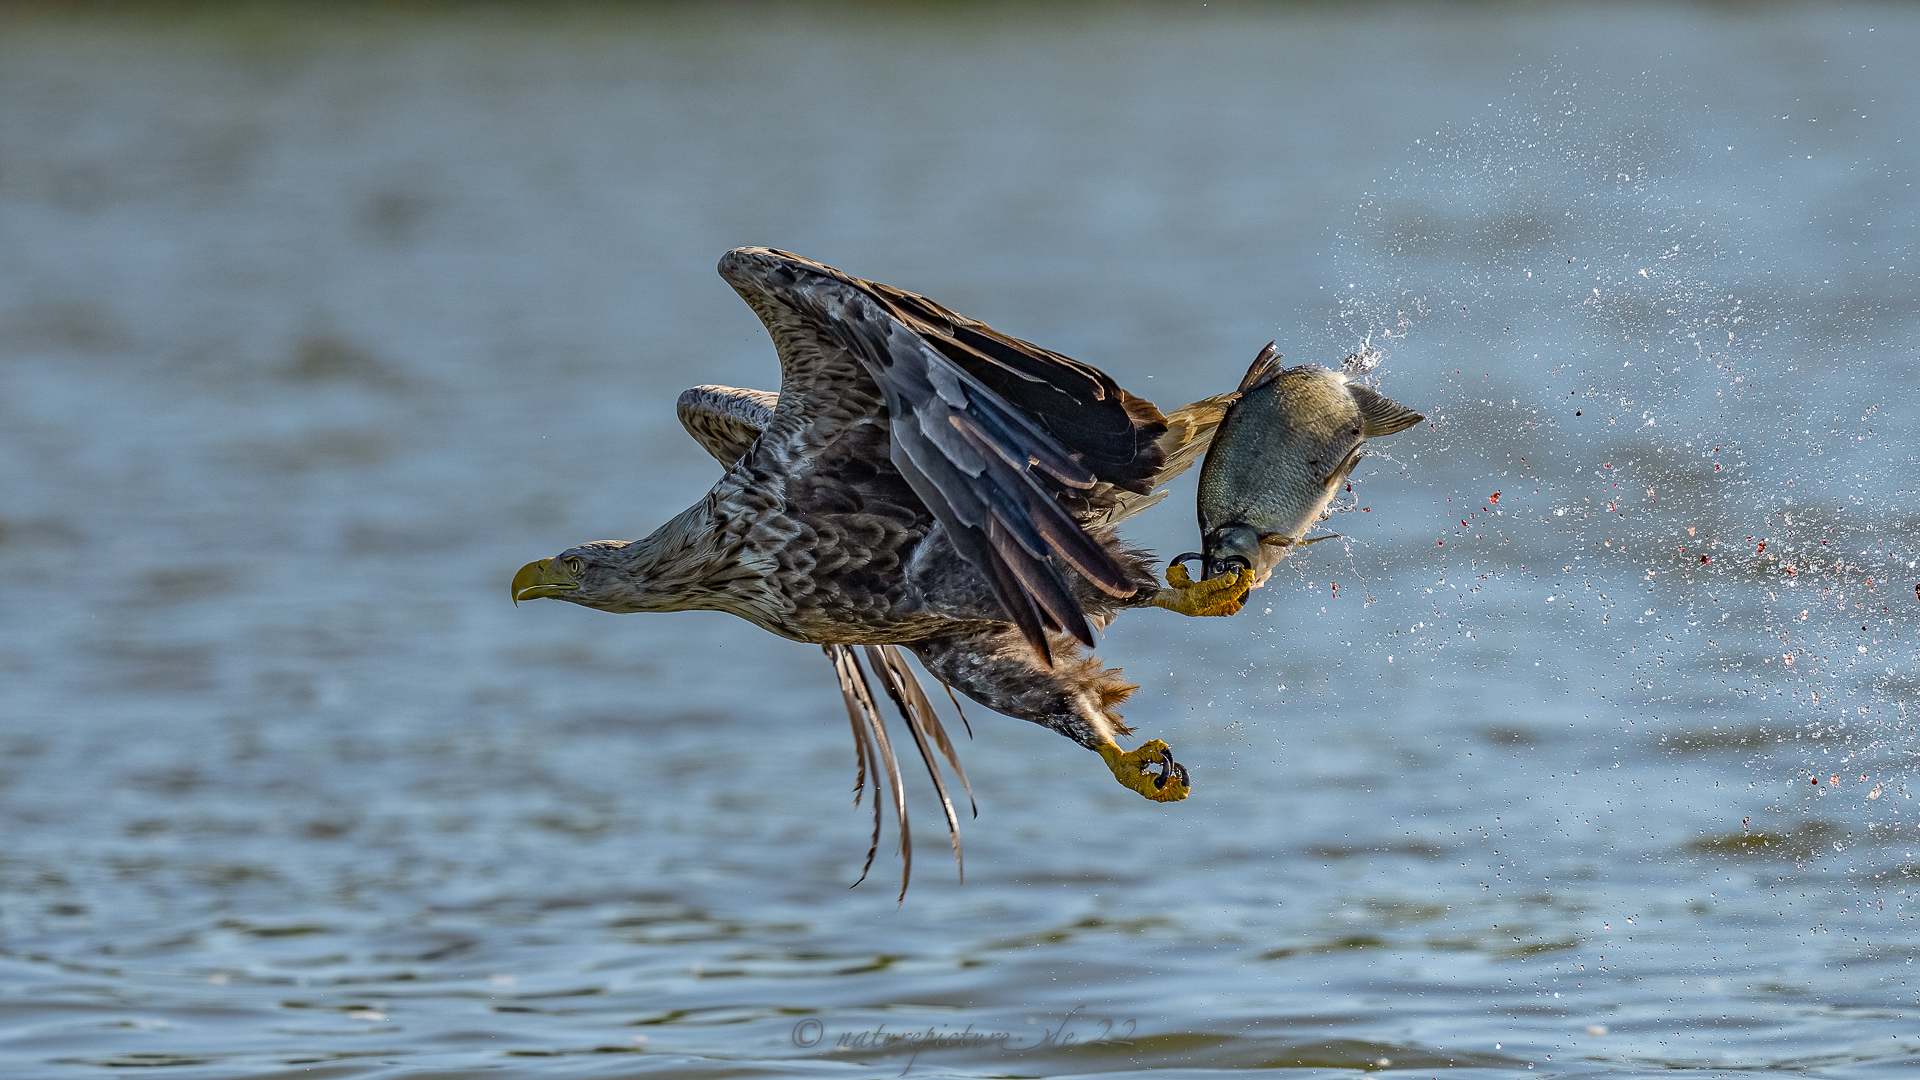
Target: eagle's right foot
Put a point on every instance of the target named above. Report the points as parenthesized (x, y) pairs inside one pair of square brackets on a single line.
[(1224, 595), (1134, 770)]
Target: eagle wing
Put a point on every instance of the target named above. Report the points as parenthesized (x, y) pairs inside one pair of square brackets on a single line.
[(1004, 442), (725, 420)]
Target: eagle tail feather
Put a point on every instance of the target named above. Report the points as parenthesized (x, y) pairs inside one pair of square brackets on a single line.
[(917, 711), (897, 659), (962, 713), (867, 725)]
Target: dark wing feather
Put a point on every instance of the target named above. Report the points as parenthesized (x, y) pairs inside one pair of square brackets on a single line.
[(976, 462), (1001, 440), (1111, 431)]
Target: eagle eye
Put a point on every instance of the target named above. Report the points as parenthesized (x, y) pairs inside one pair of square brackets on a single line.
[(574, 564)]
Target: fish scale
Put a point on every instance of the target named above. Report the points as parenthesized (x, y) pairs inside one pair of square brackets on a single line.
[(1280, 456)]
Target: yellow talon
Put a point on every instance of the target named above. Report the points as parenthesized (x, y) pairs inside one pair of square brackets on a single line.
[(1224, 595), (1131, 769)]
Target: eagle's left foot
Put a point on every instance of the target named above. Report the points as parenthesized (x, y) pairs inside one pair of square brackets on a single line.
[(1223, 595), (1134, 770)]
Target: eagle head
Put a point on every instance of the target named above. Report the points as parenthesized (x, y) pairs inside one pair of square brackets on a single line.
[(588, 575)]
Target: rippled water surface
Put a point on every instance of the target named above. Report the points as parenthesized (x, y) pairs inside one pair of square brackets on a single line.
[(316, 323)]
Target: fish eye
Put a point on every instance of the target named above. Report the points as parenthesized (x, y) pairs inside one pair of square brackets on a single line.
[(574, 564)]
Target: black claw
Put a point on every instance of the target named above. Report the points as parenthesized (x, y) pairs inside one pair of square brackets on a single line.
[(1232, 564), (1169, 769)]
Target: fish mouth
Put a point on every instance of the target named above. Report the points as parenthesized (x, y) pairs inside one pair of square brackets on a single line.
[(1232, 564), (1212, 568)]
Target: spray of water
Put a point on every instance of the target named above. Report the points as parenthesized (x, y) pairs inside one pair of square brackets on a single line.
[(1663, 399)]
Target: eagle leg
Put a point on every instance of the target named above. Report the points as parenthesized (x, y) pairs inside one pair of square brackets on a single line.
[(1134, 770), (1224, 595), (1074, 696)]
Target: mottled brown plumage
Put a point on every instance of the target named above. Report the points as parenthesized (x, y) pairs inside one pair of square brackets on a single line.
[(920, 480)]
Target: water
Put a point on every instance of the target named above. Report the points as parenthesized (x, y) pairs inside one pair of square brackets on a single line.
[(315, 328)]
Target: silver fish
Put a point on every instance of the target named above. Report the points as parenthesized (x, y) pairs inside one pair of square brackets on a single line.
[(1279, 458)]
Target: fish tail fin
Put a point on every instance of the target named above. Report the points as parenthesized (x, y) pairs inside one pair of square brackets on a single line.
[(1381, 415)]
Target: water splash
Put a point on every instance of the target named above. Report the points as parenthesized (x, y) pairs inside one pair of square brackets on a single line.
[(1658, 403)]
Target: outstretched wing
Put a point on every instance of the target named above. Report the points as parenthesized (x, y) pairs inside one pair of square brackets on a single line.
[(1003, 441), (725, 420)]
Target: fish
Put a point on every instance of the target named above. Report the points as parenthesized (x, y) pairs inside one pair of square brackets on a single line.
[(1281, 453)]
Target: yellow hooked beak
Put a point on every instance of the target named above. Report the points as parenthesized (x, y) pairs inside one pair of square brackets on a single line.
[(542, 578)]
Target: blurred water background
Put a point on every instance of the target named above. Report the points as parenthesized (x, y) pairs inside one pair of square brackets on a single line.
[(318, 321)]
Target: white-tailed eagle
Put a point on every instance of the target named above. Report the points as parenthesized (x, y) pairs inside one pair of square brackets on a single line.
[(925, 482)]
